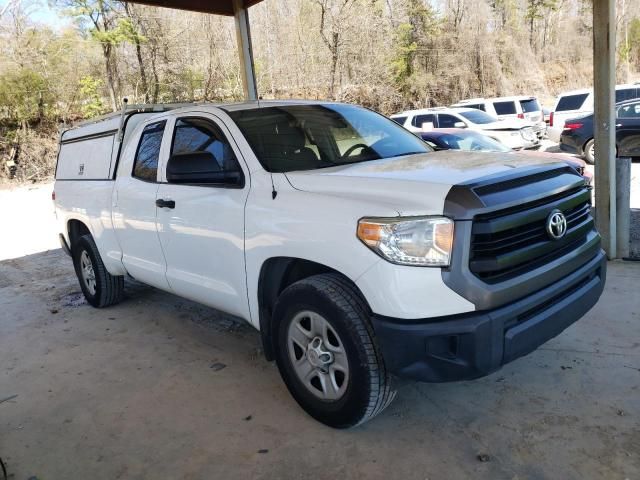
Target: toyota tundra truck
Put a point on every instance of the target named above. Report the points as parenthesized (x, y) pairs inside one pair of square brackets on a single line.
[(359, 254)]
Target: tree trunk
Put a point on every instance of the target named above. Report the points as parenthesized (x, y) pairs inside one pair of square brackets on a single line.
[(106, 51), (143, 75), (154, 71)]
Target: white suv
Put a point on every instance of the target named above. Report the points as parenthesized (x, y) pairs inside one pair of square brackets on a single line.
[(514, 133), (522, 107), (577, 103)]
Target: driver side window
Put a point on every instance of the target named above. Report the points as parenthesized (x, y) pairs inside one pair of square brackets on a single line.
[(199, 135), (629, 111)]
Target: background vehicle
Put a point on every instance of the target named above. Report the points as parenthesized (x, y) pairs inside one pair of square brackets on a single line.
[(577, 136), (577, 103), (516, 134), (356, 251), (521, 106), (470, 141)]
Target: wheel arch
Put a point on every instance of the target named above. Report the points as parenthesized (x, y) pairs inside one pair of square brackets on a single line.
[(76, 229), (276, 274), (584, 145)]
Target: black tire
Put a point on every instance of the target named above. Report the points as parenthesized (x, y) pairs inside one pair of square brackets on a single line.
[(109, 288), (588, 152), (369, 388)]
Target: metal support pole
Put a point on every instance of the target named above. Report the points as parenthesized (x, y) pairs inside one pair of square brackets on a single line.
[(623, 205), (245, 50), (604, 70)]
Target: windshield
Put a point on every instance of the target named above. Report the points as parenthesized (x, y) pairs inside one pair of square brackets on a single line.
[(308, 137), (478, 116), (472, 141)]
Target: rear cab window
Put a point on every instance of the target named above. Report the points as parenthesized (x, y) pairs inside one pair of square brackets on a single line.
[(145, 163), (530, 105), (505, 108), (571, 102)]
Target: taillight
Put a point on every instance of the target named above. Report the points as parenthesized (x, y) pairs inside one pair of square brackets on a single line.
[(521, 115), (551, 119), (53, 196), (573, 126)]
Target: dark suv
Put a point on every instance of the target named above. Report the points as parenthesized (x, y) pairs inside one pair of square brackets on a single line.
[(577, 136)]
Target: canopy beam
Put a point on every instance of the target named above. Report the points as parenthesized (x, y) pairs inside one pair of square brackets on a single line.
[(604, 81), (245, 50)]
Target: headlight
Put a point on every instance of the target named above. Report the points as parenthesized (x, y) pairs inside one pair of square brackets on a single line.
[(419, 241)]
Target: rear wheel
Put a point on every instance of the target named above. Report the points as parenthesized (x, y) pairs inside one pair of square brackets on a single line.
[(99, 287), (327, 354), (589, 152)]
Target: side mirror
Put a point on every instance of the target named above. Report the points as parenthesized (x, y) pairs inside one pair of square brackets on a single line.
[(200, 168), (460, 125)]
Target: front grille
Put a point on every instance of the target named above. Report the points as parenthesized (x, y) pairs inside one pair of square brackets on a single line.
[(509, 242)]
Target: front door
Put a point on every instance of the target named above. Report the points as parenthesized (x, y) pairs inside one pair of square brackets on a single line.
[(201, 228)]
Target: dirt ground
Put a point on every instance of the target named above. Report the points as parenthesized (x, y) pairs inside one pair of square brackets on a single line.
[(159, 387)]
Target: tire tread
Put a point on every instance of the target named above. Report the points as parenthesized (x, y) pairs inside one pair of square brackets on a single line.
[(112, 286), (345, 296)]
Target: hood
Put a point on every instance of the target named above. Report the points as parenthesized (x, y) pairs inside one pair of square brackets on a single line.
[(409, 185)]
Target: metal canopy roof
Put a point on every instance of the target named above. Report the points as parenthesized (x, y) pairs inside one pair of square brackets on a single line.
[(218, 7)]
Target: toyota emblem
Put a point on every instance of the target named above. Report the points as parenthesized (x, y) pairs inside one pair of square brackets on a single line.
[(556, 225)]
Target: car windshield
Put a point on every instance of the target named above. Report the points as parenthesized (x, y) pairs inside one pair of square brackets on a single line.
[(307, 137), (478, 117), (472, 141)]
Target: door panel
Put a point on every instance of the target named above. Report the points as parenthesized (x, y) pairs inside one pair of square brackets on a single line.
[(202, 237), (134, 209)]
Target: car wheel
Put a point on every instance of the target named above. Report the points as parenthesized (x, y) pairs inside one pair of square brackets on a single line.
[(589, 152), (327, 354), (99, 287)]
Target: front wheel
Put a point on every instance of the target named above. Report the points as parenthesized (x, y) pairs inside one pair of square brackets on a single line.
[(327, 354), (99, 287), (589, 152)]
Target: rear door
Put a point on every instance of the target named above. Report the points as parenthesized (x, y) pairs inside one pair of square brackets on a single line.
[(201, 229), (134, 206), (628, 130)]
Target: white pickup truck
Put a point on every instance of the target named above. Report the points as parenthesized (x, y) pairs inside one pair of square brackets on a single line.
[(357, 252)]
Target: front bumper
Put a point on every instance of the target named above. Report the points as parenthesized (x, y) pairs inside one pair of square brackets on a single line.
[(471, 345)]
